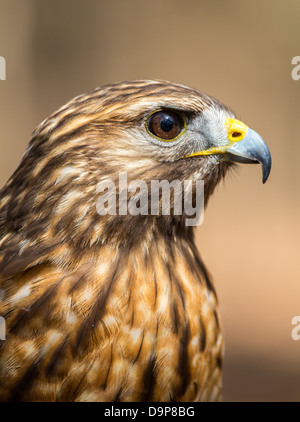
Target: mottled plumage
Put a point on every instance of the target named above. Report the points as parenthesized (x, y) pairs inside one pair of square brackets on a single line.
[(109, 308)]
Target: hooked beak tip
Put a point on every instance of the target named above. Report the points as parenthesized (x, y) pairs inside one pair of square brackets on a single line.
[(252, 149)]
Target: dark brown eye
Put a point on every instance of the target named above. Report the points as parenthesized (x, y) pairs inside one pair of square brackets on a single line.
[(165, 124)]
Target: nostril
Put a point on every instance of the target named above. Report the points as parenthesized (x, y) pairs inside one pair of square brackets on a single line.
[(236, 134)]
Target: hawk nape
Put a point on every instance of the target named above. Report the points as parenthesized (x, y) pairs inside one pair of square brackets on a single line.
[(114, 307)]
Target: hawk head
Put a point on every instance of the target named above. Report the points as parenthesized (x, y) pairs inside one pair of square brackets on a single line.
[(148, 129)]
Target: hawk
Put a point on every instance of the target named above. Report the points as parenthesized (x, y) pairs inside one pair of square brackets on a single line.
[(114, 307)]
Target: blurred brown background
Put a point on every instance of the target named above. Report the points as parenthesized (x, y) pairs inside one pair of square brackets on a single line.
[(237, 51)]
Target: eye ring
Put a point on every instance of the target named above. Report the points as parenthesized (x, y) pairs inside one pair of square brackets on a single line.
[(166, 125)]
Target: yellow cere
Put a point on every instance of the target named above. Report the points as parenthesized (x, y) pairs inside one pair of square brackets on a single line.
[(236, 131)]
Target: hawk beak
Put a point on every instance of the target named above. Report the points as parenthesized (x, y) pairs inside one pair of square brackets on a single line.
[(251, 148), (244, 146)]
